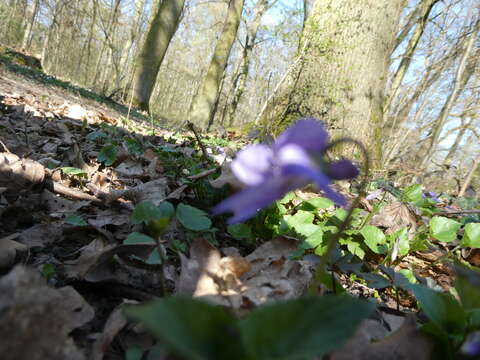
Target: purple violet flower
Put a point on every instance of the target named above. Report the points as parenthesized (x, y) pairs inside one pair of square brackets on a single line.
[(293, 161), (471, 346)]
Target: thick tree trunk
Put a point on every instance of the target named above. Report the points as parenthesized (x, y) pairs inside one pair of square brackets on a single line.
[(201, 111), (162, 29), (341, 79)]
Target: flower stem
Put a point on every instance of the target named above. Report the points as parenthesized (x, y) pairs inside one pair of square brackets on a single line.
[(322, 266)]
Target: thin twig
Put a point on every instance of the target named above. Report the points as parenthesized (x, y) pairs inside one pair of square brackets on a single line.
[(458, 212), (202, 174)]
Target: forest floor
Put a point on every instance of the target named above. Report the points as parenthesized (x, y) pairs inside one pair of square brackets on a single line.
[(82, 185)]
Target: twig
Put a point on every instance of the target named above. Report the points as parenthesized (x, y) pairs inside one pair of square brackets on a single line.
[(73, 193), (5, 147), (459, 212), (202, 174), (204, 151)]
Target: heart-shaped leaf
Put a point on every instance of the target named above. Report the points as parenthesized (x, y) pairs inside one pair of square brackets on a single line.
[(444, 229), (193, 218)]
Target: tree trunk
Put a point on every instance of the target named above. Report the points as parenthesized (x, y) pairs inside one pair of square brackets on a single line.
[(341, 79), (469, 177), (162, 29), (127, 49), (46, 43), (201, 110), (240, 78), (91, 34), (27, 36)]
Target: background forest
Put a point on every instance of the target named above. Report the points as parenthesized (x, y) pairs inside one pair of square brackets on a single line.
[(131, 131), (413, 98)]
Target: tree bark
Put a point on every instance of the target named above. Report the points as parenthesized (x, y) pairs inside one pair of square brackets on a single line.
[(162, 29), (342, 77), (469, 177), (201, 110)]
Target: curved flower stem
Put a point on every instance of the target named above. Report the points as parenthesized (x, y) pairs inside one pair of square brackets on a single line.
[(346, 222)]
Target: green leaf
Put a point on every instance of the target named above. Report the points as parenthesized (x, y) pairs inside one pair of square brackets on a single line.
[(240, 231), (134, 352), (167, 209), (138, 238), (94, 135), (444, 229), (307, 229), (303, 328), (399, 241), (73, 171), (471, 236), (413, 193), (355, 248), (409, 275), (154, 258), (467, 284), (48, 270), (75, 220), (193, 329), (193, 218), (473, 317), (316, 203), (374, 238), (315, 239), (133, 146), (146, 211), (375, 281), (287, 198), (442, 309), (108, 154)]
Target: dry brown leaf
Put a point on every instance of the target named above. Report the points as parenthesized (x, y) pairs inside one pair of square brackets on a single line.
[(405, 343), (59, 206), (204, 259), (41, 234), (8, 250), (395, 216), (265, 275), (94, 263), (115, 322), (17, 173), (130, 168), (36, 320)]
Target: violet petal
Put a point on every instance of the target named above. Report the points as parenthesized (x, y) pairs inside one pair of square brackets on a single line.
[(293, 154), (317, 177), (246, 203), (307, 133), (252, 165), (342, 169)]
